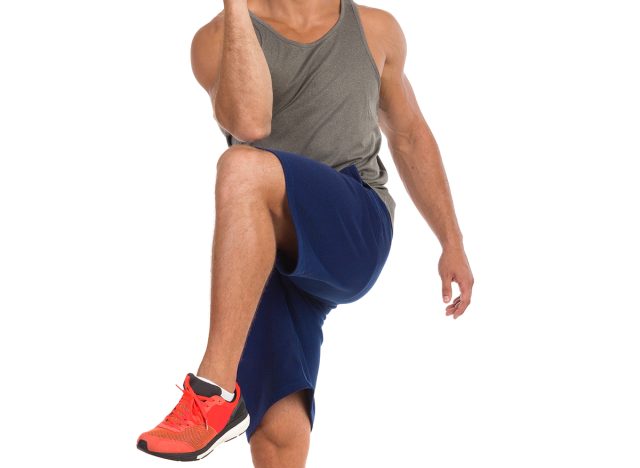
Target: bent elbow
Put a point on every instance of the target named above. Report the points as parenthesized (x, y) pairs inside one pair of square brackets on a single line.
[(250, 133), (244, 129)]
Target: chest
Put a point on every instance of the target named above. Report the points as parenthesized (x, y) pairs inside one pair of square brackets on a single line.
[(374, 42)]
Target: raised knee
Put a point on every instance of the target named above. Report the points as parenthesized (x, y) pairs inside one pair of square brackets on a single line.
[(233, 154), (243, 158), (243, 169), (242, 163)]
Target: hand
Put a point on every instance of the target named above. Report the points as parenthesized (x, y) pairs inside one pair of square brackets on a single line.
[(454, 266)]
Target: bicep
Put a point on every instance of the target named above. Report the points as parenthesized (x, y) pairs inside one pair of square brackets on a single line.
[(398, 110)]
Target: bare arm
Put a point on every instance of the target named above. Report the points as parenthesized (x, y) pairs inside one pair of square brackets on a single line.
[(228, 62), (417, 157)]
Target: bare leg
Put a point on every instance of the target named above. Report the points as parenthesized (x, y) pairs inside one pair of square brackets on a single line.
[(252, 221), (283, 437)]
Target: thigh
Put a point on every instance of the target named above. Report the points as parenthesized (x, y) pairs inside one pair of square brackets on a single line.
[(343, 231), (243, 169)]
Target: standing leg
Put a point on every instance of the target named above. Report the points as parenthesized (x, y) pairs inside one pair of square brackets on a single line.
[(283, 437), (252, 221)]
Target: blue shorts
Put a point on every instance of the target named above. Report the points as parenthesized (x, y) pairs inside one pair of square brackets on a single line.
[(344, 234)]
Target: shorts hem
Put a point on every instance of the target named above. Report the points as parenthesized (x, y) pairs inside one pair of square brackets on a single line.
[(285, 391)]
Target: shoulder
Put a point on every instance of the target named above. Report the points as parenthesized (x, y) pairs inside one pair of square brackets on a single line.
[(206, 49), (386, 30), (209, 31)]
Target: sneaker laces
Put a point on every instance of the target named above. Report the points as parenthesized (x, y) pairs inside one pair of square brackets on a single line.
[(184, 412)]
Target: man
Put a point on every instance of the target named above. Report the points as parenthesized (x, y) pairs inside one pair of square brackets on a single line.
[(300, 89)]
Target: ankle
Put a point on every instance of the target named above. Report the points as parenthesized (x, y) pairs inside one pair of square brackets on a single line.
[(225, 381)]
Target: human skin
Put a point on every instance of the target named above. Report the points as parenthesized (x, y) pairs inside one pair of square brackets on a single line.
[(252, 215)]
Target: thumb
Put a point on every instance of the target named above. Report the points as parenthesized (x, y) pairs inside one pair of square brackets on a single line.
[(446, 289)]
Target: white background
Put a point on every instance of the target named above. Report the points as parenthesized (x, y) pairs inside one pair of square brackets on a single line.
[(108, 150)]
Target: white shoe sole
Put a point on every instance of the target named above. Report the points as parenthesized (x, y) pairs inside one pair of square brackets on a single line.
[(232, 433)]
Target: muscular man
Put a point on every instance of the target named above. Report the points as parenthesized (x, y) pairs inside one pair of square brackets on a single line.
[(304, 222)]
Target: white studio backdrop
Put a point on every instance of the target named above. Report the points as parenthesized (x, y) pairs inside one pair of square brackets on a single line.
[(108, 150)]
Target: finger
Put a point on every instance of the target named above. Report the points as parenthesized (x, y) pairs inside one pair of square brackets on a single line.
[(465, 298), (462, 306), (446, 289), (452, 307), (454, 304)]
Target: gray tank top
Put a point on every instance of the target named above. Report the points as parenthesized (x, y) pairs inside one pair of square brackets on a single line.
[(325, 99)]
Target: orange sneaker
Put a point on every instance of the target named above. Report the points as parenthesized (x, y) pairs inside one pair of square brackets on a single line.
[(198, 423)]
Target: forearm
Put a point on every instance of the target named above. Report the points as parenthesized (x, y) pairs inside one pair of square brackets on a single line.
[(244, 97), (420, 167)]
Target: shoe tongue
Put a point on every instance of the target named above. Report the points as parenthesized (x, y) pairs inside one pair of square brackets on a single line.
[(203, 388)]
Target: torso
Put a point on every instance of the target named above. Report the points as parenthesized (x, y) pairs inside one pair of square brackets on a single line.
[(367, 16), (326, 79), (373, 40)]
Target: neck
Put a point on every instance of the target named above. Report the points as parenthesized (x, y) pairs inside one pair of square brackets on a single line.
[(294, 12)]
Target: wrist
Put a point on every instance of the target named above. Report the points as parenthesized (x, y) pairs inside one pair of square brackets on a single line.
[(454, 243), (235, 4), (236, 7)]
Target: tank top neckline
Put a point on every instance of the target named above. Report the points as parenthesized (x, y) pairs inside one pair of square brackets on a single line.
[(328, 34)]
